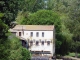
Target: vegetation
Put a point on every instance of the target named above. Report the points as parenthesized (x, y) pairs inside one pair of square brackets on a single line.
[(26, 55), (17, 52), (48, 17), (4, 42), (64, 14), (68, 14), (8, 13), (15, 48)]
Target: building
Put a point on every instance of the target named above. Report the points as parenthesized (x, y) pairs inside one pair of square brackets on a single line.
[(40, 38)]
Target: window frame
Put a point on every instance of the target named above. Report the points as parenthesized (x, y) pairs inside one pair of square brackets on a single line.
[(31, 43), (19, 33), (42, 34), (37, 43), (48, 43), (42, 42), (31, 34), (37, 34)]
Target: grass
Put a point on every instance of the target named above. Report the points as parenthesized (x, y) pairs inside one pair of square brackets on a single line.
[(73, 55)]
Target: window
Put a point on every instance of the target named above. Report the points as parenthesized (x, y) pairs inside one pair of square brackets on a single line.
[(37, 34), (31, 43), (48, 42), (42, 34), (42, 42), (19, 33), (31, 34), (37, 42)]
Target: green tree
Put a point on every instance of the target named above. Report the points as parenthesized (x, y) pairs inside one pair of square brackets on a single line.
[(15, 48), (74, 22), (42, 17), (4, 42), (70, 8), (26, 55), (59, 5), (10, 9), (17, 52), (31, 5), (75, 47), (64, 39), (48, 17), (8, 12)]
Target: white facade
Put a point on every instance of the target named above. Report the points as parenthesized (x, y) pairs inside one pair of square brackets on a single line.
[(39, 40), (47, 35)]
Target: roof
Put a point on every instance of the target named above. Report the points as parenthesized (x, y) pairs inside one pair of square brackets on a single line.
[(33, 27)]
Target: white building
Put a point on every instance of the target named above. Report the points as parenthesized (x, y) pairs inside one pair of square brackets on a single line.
[(41, 38)]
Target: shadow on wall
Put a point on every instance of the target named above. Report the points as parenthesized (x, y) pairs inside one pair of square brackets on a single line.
[(25, 44)]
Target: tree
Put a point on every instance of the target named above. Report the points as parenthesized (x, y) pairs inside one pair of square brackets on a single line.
[(42, 17), (8, 12), (10, 9), (59, 5), (71, 9), (48, 17), (75, 47), (4, 42), (17, 52), (15, 48), (64, 38), (74, 23), (32, 5), (26, 55)]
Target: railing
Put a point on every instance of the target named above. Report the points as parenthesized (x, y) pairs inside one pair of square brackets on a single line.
[(47, 58)]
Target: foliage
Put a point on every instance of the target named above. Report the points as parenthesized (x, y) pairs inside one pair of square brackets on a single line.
[(69, 11), (15, 48), (74, 23), (17, 52), (31, 5), (48, 17), (10, 9), (26, 55), (64, 38), (4, 42), (3, 29), (8, 12), (22, 17), (66, 17), (4, 49), (42, 17), (70, 8), (75, 47)]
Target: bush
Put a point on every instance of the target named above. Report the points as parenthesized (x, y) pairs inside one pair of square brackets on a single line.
[(17, 52), (26, 55)]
